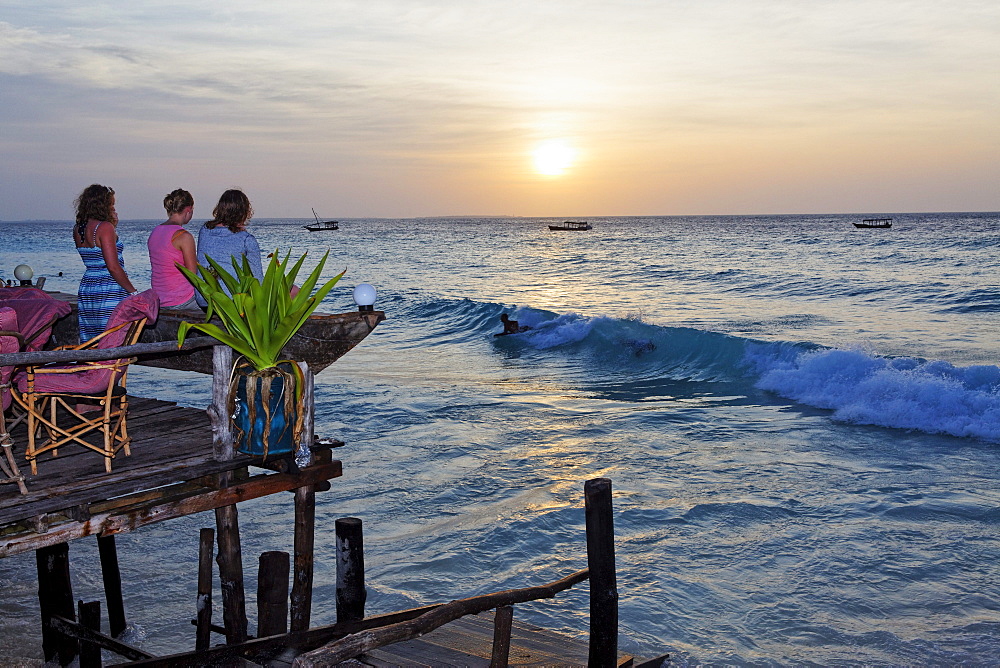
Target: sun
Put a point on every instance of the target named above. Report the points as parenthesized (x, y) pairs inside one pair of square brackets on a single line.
[(553, 158)]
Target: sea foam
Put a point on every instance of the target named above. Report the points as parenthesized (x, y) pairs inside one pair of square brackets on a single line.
[(904, 392)]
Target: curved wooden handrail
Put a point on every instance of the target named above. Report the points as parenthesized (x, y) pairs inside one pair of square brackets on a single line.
[(357, 643), (137, 350)]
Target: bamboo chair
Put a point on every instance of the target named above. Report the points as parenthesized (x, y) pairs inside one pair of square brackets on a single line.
[(37, 313), (51, 393), (11, 341)]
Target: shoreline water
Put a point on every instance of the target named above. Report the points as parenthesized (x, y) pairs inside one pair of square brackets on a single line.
[(753, 528)]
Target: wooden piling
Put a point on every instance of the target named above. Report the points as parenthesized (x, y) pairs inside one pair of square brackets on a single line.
[(230, 559), (302, 579), (502, 623), (603, 581), (55, 598), (90, 617), (206, 545), (112, 584), (272, 594), (351, 593)]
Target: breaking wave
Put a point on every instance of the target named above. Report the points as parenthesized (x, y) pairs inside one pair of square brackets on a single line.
[(859, 386)]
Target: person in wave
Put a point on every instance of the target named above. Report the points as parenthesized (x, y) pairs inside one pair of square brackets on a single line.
[(171, 246), (225, 236), (511, 326), (105, 283)]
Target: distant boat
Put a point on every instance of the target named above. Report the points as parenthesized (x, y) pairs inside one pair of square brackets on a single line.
[(571, 226), (875, 222), (322, 225)]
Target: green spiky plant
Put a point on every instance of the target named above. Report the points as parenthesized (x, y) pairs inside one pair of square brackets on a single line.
[(259, 318)]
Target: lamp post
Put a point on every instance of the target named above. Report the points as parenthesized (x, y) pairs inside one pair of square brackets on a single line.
[(364, 297)]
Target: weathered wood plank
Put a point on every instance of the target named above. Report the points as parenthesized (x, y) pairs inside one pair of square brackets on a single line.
[(351, 646), (423, 652), (52, 494), (471, 635), (119, 521), (76, 478), (76, 630), (261, 650)]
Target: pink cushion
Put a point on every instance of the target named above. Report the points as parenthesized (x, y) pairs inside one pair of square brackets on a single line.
[(95, 381), (143, 305), (8, 344), (17, 292), (36, 312)]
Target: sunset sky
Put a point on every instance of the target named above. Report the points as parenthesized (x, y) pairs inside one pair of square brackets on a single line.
[(396, 108)]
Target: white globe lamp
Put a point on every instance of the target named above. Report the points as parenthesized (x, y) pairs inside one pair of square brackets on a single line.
[(23, 273), (364, 297)]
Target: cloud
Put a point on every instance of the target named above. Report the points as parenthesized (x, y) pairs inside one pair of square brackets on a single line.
[(421, 84)]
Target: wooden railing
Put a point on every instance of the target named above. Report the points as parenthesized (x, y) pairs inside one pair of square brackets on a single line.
[(98, 354)]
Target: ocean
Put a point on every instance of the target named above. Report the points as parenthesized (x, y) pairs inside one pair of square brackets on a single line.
[(800, 420)]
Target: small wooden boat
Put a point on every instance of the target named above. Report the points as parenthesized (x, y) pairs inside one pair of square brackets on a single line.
[(323, 339), (875, 222), (571, 226), (322, 225)]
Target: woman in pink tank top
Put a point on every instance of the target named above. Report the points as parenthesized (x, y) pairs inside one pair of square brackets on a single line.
[(171, 245)]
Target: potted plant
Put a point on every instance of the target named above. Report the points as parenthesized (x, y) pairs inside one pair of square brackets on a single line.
[(259, 318)]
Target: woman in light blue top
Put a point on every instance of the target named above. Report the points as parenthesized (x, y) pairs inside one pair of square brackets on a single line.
[(225, 236)]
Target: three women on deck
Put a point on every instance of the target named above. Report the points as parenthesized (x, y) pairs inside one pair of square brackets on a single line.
[(105, 282)]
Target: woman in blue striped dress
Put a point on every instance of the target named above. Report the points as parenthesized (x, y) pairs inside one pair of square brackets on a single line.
[(104, 283)]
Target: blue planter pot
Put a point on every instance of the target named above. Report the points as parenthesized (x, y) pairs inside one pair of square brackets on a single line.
[(265, 432)]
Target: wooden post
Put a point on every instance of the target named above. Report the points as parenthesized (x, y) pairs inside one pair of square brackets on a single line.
[(351, 593), (272, 594), (302, 579), (112, 584), (234, 611), (603, 581), (230, 559), (502, 622), (305, 515), (303, 455), (218, 411), (55, 597), (90, 617), (203, 635)]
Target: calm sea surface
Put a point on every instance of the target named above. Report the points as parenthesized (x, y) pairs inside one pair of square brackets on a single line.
[(801, 421)]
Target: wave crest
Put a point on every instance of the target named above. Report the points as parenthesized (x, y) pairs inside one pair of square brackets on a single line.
[(634, 360)]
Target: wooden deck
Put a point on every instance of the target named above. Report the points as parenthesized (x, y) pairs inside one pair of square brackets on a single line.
[(464, 642), (469, 642), (171, 472)]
